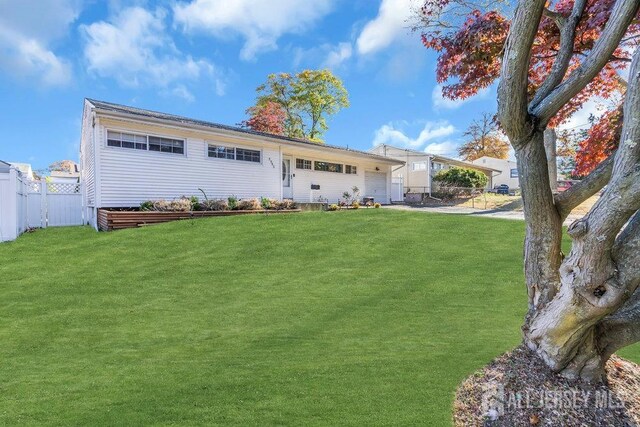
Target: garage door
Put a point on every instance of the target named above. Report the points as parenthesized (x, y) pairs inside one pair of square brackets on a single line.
[(375, 185)]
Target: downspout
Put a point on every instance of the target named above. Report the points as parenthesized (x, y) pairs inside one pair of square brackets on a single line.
[(429, 168)]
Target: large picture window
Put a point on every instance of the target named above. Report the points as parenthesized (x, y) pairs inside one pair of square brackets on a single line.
[(328, 167), (232, 153)]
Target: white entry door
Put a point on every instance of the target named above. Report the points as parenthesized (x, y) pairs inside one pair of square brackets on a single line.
[(287, 191)]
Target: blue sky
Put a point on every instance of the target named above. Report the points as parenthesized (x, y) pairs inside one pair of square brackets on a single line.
[(204, 59)]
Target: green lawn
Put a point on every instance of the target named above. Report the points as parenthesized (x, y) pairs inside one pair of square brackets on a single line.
[(347, 318)]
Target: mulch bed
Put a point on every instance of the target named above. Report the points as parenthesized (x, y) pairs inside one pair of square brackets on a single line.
[(517, 389)]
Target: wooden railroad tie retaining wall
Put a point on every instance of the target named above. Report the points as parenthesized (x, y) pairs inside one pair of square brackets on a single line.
[(115, 220)]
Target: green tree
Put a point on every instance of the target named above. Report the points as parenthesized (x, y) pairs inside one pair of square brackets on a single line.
[(308, 98), (461, 177)]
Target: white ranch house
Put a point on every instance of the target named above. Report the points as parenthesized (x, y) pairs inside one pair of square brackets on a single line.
[(130, 155)]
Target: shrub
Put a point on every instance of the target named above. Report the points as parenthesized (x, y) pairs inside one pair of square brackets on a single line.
[(146, 206), (333, 207), (232, 202), (376, 205), (355, 205), (195, 203), (214, 205), (249, 205), (182, 204), (461, 177), (266, 203), (288, 205)]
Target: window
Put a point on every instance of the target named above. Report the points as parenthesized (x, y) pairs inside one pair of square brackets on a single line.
[(303, 164), (437, 166), (126, 140), (248, 155), (419, 166), (514, 173), (166, 145), (328, 167), (144, 142), (232, 153), (221, 152), (350, 169)]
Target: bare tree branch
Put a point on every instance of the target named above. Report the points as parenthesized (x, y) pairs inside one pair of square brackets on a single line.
[(512, 90), (568, 200), (561, 64), (622, 15)]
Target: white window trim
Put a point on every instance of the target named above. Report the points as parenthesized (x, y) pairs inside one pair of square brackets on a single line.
[(105, 143), (313, 167), (234, 146)]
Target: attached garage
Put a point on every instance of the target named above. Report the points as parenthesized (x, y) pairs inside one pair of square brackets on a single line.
[(375, 185)]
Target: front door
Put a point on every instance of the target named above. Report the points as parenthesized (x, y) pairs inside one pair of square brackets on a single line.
[(287, 192)]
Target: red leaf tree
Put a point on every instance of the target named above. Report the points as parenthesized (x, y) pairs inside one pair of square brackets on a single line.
[(471, 43), (268, 118)]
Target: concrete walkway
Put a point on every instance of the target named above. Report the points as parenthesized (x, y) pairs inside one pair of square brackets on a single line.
[(459, 210)]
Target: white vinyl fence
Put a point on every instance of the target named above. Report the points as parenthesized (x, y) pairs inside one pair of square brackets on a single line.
[(36, 204), (397, 189), (54, 204), (13, 205)]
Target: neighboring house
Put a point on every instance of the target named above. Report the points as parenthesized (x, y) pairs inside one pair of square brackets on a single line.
[(129, 155), (508, 170), (24, 168), (66, 177), (419, 169)]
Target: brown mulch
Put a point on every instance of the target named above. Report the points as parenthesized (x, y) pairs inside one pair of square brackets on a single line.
[(517, 389)]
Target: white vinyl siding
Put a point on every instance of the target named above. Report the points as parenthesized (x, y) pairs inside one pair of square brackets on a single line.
[(129, 177)]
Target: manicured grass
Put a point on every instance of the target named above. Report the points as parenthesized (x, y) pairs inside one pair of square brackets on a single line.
[(346, 318)]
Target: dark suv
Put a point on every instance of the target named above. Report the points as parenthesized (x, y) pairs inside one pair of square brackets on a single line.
[(503, 189)]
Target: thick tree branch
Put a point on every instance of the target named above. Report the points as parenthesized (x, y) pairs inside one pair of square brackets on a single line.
[(561, 64), (622, 15), (512, 90), (568, 200)]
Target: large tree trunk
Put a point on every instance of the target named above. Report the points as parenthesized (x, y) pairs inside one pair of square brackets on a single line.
[(584, 307)]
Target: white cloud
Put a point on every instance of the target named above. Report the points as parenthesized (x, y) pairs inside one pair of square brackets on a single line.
[(27, 29), (440, 102), (261, 23), (446, 148), (390, 134), (580, 119), (182, 92), (134, 49), (338, 55), (323, 56), (389, 26)]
